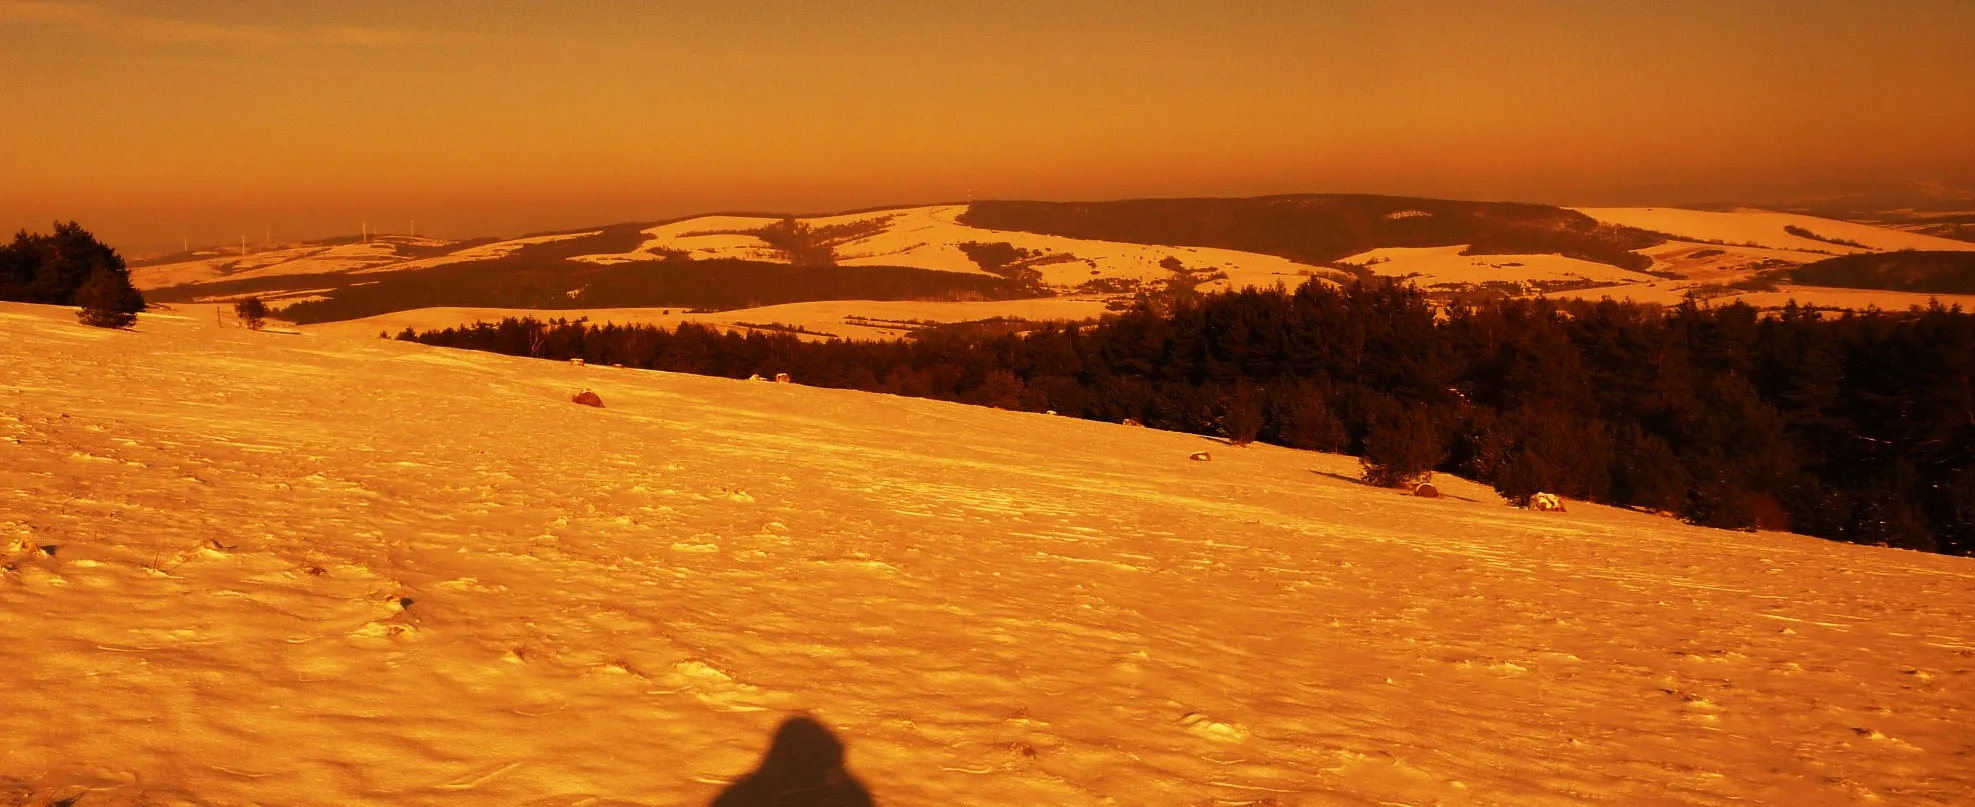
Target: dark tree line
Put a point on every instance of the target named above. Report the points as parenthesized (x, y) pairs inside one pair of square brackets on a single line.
[(1905, 270), (1322, 228), (565, 284), (69, 267), (1856, 427)]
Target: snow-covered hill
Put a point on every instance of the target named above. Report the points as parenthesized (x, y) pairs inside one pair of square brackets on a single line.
[(1449, 268), (921, 237), (301, 259), (1742, 253), (315, 570), (1769, 230), (933, 238)]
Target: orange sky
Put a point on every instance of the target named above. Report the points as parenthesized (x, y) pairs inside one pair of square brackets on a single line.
[(152, 121)]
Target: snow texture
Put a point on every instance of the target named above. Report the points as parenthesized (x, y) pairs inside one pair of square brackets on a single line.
[(319, 570)]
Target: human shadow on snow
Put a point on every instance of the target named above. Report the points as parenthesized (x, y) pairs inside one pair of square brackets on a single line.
[(803, 767)]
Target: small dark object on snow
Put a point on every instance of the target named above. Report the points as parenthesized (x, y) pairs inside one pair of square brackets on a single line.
[(587, 398), (1201, 456), (1426, 490), (252, 312), (1133, 422), (782, 378), (576, 362)]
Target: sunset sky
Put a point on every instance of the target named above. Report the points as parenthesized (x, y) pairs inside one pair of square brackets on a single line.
[(152, 121)]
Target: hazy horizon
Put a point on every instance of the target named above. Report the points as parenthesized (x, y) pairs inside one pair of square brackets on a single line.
[(207, 121)]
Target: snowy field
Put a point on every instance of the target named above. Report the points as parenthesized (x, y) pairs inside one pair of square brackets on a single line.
[(484, 252), (228, 264), (1427, 267), (1764, 228), (1717, 247), (325, 570), (930, 238)]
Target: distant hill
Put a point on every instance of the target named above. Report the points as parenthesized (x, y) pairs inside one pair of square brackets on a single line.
[(537, 282), (1933, 272), (1000, 250), (1320, 228), (1768, 229)]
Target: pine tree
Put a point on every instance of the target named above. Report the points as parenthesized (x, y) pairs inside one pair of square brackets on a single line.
[(1402, 449), (53, 268), (1302, 418), (107, 301), (252, 312), (1241, 414)]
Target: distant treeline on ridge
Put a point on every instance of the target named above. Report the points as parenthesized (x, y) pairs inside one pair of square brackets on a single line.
[(1856, 427), (1321, 228)]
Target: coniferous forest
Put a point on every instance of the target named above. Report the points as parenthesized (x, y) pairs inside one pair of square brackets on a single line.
[(69, 267), (1851, 426)]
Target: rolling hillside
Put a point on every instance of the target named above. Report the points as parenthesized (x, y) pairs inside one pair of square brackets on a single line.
[(1768, 230), (1014, 250), (939, 238), (314, 570)]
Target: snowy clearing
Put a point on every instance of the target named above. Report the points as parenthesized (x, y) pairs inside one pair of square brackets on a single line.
[(1427, 267), (317, 570)]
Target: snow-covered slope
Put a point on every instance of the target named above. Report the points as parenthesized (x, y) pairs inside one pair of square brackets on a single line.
[(1711, 247), (483, 252), (384, 253), (931, 238), (1765, 229), (1446, 267), (311, 570), (307, 259)]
